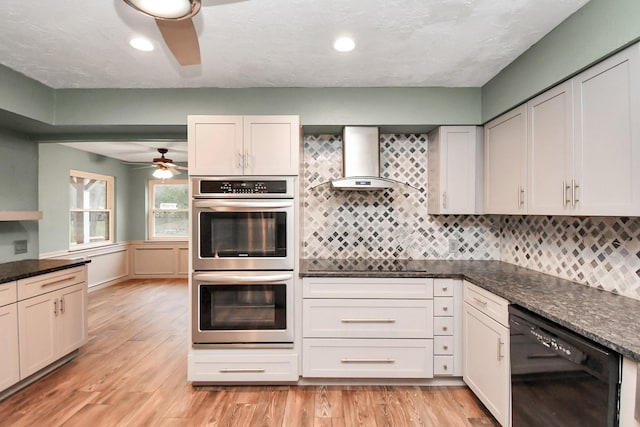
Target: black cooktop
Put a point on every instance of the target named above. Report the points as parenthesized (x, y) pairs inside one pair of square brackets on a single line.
[(366, 265)]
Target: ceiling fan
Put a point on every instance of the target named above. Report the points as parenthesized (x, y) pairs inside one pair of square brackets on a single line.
[(165, 168), (173, 18)]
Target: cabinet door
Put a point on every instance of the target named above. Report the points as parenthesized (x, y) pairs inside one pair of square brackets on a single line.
[(71, 326), (506, 163), (607, 161), (455, 176), (215, 145), (37, 317), (486, 362), (271, 145), (9, 355), (550, 148)]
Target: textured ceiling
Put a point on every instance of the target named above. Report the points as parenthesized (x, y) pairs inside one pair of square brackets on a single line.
[(278, 43)]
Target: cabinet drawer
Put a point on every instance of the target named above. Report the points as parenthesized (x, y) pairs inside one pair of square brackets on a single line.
[(243, 368), (8, 293), (490, 304), (443, 345), (443, 306), (442, 365), (443, 326), (365, 318), (367, 358), (443, 287), (369, 288), (44, 283)]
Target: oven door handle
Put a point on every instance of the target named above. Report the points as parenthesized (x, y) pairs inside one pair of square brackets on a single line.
[(238, 279), (238, 206)]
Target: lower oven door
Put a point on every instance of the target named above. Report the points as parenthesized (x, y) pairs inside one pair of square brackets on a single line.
[(242, 309)]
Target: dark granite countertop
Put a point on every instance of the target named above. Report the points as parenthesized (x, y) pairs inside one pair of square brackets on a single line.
[(16, 270), (609, 319)]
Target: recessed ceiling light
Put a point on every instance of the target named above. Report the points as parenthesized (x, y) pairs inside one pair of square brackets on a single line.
[(141, 43), (344, 44)]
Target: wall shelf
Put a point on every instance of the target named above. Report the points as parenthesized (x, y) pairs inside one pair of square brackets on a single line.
[(20, 215)]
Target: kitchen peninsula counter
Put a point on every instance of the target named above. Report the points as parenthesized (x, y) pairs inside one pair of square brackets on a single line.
[(607, 318), (16, 270)]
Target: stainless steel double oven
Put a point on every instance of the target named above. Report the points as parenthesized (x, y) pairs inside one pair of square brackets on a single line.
[(243, 258)]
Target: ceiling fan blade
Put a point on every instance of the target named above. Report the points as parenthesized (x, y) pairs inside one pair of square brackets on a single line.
[(181, 39)]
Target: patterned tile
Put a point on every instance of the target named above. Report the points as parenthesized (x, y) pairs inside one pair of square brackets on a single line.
[(603, 252), (386, 224)]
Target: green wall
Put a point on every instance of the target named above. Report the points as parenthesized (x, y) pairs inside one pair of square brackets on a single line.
[(18, 192), (55, 162), (324, 106), (598, 29)]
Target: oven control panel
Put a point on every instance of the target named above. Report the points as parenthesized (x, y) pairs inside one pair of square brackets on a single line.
[(216, 188)]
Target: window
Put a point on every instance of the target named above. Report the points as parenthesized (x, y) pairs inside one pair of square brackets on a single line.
[(168, 209), (90, 209)]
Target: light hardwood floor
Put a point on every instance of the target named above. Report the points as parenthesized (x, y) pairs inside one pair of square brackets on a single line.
[(132, 372)]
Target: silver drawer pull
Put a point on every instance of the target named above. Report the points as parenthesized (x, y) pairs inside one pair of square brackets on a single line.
[(367, 361), (240, 370), (56, 282), (481, 302), (368, 320)]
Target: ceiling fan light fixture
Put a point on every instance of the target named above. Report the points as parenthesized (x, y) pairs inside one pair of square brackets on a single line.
[(166, 9), (162, 173)]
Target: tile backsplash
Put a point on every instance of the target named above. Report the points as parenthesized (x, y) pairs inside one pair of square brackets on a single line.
[(600, 252), (387, 223)]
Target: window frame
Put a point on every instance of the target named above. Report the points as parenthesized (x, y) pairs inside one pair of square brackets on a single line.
[(151, 210), (110, 201)]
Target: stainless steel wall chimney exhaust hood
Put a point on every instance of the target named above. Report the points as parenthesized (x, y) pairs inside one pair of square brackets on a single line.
[(361, 160)]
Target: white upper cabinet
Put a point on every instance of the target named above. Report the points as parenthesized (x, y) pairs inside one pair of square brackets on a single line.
[(607, 136), (573, 150), (550, 151), (244, 145), (505, 154), (455, 170), (215, 145)]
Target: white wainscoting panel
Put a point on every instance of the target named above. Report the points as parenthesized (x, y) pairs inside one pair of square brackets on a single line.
[(159, 259)]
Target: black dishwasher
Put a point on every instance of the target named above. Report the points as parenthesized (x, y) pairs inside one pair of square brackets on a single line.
[(559, 378)]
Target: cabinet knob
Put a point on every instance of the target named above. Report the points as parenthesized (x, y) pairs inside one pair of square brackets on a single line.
[(445, 347), (444, 328), (445, 367), (445, 308), (445, 289)]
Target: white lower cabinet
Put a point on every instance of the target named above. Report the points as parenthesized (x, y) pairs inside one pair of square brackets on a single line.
[(249, 366), (42, 319), (51, 326), (486, 350), (447, 330), (367, 328), (52, 316), (9, 358), (367, 358), (630, 394)]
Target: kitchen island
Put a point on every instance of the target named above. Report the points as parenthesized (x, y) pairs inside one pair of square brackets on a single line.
[(43, 318)]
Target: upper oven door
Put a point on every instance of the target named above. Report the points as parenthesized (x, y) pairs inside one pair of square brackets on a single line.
[(243, 234)]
